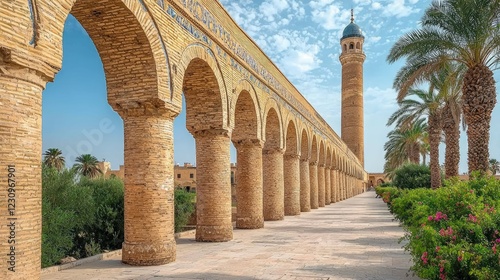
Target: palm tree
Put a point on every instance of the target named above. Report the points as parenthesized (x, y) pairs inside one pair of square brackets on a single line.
[(494, 166), (404, 144), (465, 31), (53, 158), (448, 81), (87, 165), (427, 103)]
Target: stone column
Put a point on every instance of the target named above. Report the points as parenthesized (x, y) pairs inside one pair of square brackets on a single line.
[(344, 186), (333, 183), (328, 186), (272, 163), (321, 185), (341, 185), (213, 186), (249, 192), (336, 186), (149, 186), (353, 185), (349, 186), (292, 184), (313, 179), (20, 172), (305, 187)]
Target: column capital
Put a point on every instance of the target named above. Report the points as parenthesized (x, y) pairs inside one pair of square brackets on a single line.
[(273, 151), (248, 143), (148, 109), (212, 132), (321, 165), (292, 156), (305, 159), (313, 163), (23, 73)]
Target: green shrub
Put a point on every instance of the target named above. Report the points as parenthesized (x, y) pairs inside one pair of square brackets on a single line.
[(79, 219), (412, 176), (184, 208), (82, 217), (65, 209), (106, 230), (57, 233), (453, 232)]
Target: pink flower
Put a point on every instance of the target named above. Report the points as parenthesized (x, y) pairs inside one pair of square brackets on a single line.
[(472, 218), (424, 258), (430, 218), (438, 248), (446, 232), (460, 258)]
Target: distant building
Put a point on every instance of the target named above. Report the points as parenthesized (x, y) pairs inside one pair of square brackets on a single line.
[(185, 175), (105, 167)]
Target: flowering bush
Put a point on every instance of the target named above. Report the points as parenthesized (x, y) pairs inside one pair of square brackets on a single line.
[(452, 232)]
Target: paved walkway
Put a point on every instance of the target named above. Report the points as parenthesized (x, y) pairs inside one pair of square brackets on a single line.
[(352, 239)]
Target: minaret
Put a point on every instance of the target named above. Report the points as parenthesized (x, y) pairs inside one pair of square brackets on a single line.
[(352, 59)]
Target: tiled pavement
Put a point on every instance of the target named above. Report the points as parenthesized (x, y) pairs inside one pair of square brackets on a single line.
[(352, 239)]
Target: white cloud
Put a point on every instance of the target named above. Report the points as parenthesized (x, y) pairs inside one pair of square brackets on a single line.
[(374, 39), (319, 3), (376, 6), (273, 7), (296, 63), (327, 17), (362, 2), (398, 9), (279, 42), (380, 101)]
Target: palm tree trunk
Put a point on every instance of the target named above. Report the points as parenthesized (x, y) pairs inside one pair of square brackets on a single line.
[(451, 129), (415, 154), (434, 137), (479, 96)]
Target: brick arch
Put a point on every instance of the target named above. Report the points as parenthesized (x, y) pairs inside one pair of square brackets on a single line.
[(275, 126), (245, 116), (314, 149), (204, 89), (291, 138), (335, 159), (322, 153), (328, 157), (126, 37), (304, 145)]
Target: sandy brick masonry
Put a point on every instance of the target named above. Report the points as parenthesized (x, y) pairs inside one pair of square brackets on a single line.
[(292, 184), (249, 195), (154, 52), (328, 186)]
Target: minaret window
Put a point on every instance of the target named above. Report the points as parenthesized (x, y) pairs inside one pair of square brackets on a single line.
[(358, 45), (351, 46), (345, 47)]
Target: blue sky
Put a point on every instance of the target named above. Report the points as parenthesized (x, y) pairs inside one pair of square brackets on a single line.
[(301, 37)]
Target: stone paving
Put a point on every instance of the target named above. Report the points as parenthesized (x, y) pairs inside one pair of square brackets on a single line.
[(352, 239)]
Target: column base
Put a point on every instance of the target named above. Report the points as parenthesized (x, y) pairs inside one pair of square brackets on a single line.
[(250, 223), (277, 217), (146, 254), (214, 233)]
